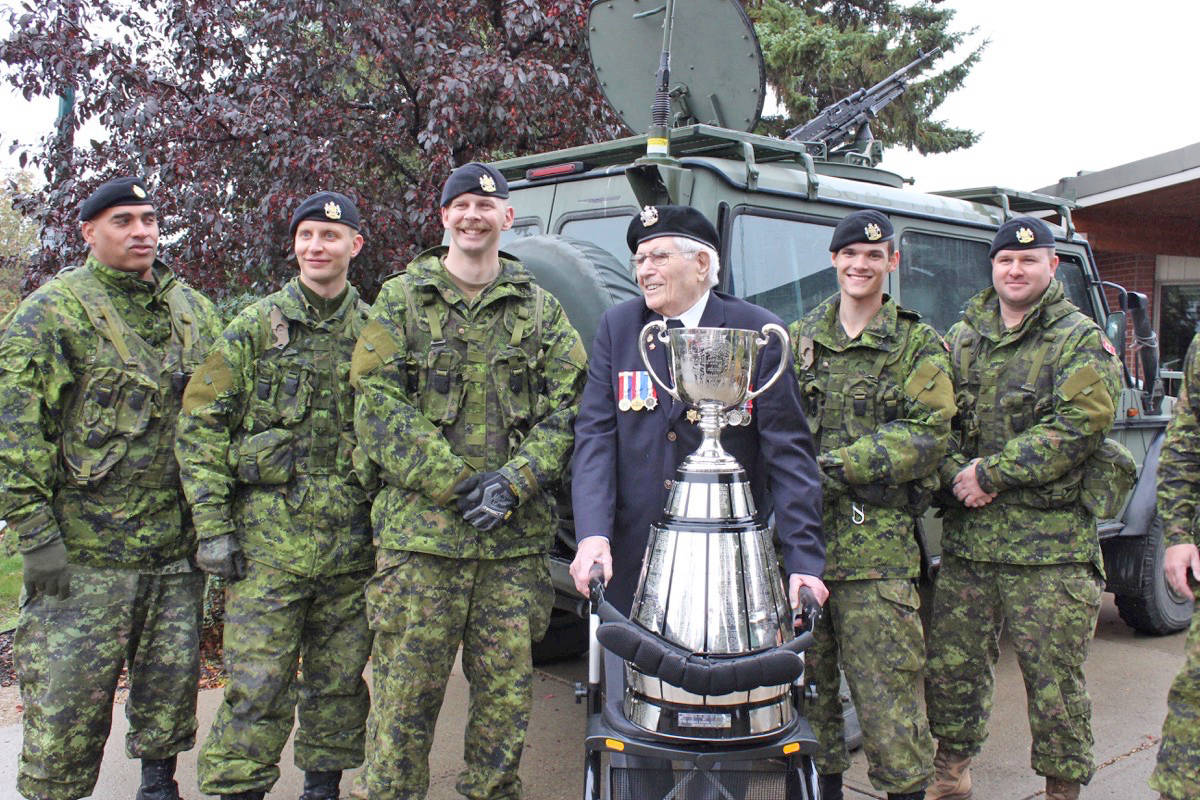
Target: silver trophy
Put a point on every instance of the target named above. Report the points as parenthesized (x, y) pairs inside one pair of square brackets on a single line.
[(710, 580)]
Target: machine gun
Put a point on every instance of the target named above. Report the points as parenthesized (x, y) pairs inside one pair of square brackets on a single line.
[(843, 128)]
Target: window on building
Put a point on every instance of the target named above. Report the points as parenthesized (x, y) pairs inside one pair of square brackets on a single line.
[(1178, 318)]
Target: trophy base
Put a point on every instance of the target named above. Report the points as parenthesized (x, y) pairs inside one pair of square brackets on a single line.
[(740, 717)]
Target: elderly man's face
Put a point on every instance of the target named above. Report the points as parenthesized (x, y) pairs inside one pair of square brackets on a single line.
[(672, 282)]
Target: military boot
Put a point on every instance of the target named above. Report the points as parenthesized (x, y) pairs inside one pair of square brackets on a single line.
[(158, 779), (951, 776), (321, 785), (831, 786), (1058, 789)]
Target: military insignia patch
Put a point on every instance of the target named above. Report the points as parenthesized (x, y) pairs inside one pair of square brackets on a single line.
[(874, 234), (635, 391), (487, 183), (693, 416), (138, 191), (1107, 345), (333, 210), (649, 216), (1024, 235)]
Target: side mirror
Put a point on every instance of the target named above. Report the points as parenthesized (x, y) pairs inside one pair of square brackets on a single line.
[(1114, 329)]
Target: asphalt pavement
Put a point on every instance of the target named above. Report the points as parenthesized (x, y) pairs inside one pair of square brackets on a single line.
[(1128, 676)]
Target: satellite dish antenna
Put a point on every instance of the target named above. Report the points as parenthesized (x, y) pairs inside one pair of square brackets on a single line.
[(716, 71)]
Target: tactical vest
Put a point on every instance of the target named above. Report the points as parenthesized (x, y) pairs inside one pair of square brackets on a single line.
[(502, 348), (299, 417), (992, 414), (119, 423)]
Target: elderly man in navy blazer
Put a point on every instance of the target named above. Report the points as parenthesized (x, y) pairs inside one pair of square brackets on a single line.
[(629, 438)]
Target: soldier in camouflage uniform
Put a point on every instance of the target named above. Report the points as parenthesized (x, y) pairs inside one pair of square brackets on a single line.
[(1038, 385), (468, 377), (878, 397), (265, 444), (92, 369), (1177, 775)]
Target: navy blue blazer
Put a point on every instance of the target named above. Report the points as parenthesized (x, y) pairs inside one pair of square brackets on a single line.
[(624, 460)]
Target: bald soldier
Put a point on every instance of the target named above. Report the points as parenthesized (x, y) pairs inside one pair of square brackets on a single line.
[(92, 370)]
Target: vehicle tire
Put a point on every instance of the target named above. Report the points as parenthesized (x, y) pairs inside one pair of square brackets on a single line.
[(1155, 608)]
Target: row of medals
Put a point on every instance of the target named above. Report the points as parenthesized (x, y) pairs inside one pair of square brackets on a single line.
[(735, 416)]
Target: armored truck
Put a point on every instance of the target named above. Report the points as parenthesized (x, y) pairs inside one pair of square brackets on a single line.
[(775, 202)]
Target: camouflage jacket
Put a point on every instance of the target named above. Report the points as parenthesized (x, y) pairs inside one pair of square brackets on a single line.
[(266, 437), (1034, 401), (448, 387), (1179, 462), (92, 369), (880, 407)]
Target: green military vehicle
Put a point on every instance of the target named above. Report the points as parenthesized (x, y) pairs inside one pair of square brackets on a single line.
[(775, 202)]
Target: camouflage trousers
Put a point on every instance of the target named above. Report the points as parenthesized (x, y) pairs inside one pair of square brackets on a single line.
[(421, 607), (1050, 611), (872, 628), (1177, 774), (69, 654), (275, 622)]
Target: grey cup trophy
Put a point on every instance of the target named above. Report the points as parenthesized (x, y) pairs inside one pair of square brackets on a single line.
[(710, 580)]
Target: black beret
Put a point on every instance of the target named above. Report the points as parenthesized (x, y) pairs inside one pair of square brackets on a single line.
[(117, 192), (685, 221), (862, 227), (474, 178), (1021, 233), (327, 207)]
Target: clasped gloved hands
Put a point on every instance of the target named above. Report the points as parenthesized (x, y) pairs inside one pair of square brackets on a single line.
[(485, 500), (44, 571), (222, 556)]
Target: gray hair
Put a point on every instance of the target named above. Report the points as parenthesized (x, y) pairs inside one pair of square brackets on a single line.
[(685, 245)]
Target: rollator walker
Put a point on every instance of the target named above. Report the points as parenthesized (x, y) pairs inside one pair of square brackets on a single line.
[(712, 705)]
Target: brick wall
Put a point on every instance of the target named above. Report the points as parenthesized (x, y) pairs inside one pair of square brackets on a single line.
[(1134, 271)]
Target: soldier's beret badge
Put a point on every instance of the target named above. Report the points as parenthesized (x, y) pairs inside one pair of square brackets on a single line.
[(486, 183), (333, 210), (1024, 235), (138, 191), (649, 216), (874, 234)]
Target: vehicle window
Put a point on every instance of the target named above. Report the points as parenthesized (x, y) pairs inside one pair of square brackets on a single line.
[(607, 233), (1074, 280), (520, 229), (938, 274), (781, 264)]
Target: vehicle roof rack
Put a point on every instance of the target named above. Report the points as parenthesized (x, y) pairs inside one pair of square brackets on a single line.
[(1017, 202)]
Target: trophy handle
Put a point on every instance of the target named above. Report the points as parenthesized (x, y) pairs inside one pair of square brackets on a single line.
[(657, 328), (768, 329)]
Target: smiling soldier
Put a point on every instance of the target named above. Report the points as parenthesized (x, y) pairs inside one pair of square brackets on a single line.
[(876, 387), (266, 443)]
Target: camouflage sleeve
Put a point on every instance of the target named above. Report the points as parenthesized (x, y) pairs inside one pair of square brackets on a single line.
[(213, 405), (35, 376), (1082, 409), (910, 446), (542, 456), (954, 459), (1179, 462), (409, 449)]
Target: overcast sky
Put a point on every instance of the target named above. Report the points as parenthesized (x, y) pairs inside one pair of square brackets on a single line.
[(1065, 86)]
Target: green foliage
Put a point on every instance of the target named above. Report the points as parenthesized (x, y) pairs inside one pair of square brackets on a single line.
[(18, 238), (10, 590), (818, 51), (229, 305)]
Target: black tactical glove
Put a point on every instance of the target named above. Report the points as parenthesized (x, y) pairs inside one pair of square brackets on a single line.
[(222, 556), (485, 500), (45, 571)]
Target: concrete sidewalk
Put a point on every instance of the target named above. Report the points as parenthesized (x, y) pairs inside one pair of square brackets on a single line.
[(1128, 676)]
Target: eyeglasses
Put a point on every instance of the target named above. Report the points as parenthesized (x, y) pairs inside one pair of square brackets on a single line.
[(657, 258)]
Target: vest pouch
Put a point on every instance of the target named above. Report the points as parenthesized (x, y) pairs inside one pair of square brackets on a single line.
[(112, 407), (267, 458), (813, 400), (1017, 409), (1108, 475), (858, 408), (889, 399), (512, 372), (442, 385), (293, 394)]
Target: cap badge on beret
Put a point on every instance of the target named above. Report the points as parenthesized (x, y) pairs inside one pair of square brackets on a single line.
[(873, 233), (486, 183), (649, 216), (138, 191), (333, 210), (1024, 235)]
